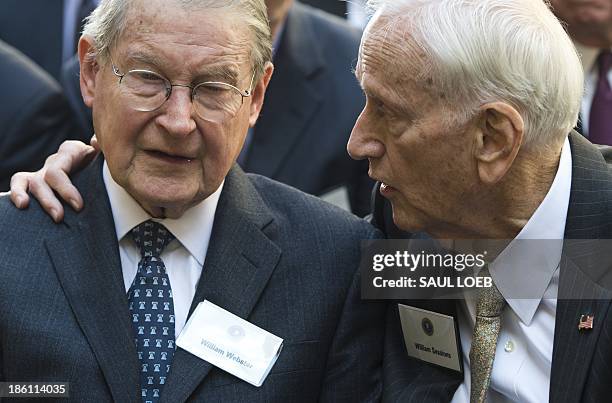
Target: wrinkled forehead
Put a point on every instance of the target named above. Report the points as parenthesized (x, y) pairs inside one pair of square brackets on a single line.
[(389, 51), (171, 25)]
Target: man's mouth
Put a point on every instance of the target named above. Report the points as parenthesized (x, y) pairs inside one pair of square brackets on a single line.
[(170, 157), (385, 189)]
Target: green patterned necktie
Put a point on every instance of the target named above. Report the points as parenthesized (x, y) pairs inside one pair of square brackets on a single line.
[(484, 340)]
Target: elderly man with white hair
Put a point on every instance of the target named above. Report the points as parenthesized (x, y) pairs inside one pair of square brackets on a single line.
[(469, 107)]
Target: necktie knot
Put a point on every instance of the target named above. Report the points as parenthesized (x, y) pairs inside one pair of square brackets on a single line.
[(151, 238), (604, 62)]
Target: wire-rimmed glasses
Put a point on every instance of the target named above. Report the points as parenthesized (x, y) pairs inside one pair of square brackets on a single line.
[(214, 101)]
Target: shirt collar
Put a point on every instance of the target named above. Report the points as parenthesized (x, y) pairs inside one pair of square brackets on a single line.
[(127, 214), (531, 265)]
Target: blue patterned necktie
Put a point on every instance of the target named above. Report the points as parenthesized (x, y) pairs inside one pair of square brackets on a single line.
[(152, 310)]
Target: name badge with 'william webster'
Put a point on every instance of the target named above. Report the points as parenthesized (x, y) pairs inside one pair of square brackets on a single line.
[(230, 343)]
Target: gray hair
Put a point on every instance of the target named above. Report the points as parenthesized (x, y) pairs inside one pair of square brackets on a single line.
[(481, 51), (107, 23)]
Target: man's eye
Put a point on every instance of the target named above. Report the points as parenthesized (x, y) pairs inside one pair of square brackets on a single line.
[(148, 76), (383, 110), (212, 88), (377, 106)]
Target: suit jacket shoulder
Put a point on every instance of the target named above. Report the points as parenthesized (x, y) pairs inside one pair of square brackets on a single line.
[(298, 211)]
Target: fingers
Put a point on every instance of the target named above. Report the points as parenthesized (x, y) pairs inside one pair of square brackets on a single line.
[(59, 181), (22, 182), (94, 142), (71, 156), (19, 189), (45, 196)]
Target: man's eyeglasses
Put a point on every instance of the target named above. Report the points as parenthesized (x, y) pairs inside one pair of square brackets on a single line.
[(214, 101)]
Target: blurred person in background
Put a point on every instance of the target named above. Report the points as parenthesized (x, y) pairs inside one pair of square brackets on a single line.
[(47, 31), (35, 118), (589, 24), (336, 7)]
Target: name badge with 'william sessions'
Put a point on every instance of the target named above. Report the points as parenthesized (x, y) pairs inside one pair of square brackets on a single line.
[(230, 343), (430, 336)]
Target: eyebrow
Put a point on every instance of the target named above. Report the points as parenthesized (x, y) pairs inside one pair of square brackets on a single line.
[(143, 58), (227, 73)]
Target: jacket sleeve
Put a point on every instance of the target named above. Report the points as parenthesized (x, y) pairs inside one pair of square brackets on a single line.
[(353, 370)]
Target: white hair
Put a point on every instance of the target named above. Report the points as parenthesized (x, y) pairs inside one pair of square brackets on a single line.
[(481, 51), (107, 23)]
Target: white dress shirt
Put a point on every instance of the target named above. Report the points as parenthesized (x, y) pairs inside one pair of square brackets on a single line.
[(588, 56), (522, 365), (183, 257)]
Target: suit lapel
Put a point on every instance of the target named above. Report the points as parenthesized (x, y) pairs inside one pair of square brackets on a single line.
[(580, 279), (238, 265), (89, 269), (573, 349), (293, 96)]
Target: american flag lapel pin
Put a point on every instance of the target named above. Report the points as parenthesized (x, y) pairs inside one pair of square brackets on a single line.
[(585, 322)]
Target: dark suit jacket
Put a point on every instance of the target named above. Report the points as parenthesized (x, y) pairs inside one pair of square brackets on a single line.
[(34, 115), (35, 27), (70, 82), (581, 370), (337, 7), (311, 106), (283, 260)]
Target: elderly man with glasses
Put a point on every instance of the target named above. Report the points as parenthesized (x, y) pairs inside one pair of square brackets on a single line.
[(170, 221)]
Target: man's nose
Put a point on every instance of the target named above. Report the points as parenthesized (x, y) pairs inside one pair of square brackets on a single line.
[(363, 142), (178, 112)]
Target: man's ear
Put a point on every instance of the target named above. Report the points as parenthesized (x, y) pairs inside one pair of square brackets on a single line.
[(88, 69), (259, 91), (500, 135)]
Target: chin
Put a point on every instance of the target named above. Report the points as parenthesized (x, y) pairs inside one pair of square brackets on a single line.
[(406, 220), (166, 195)]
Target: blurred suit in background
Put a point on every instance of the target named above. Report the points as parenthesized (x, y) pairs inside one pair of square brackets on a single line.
[(34, 115), (44, 30), (589, 24), (337, 7)]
